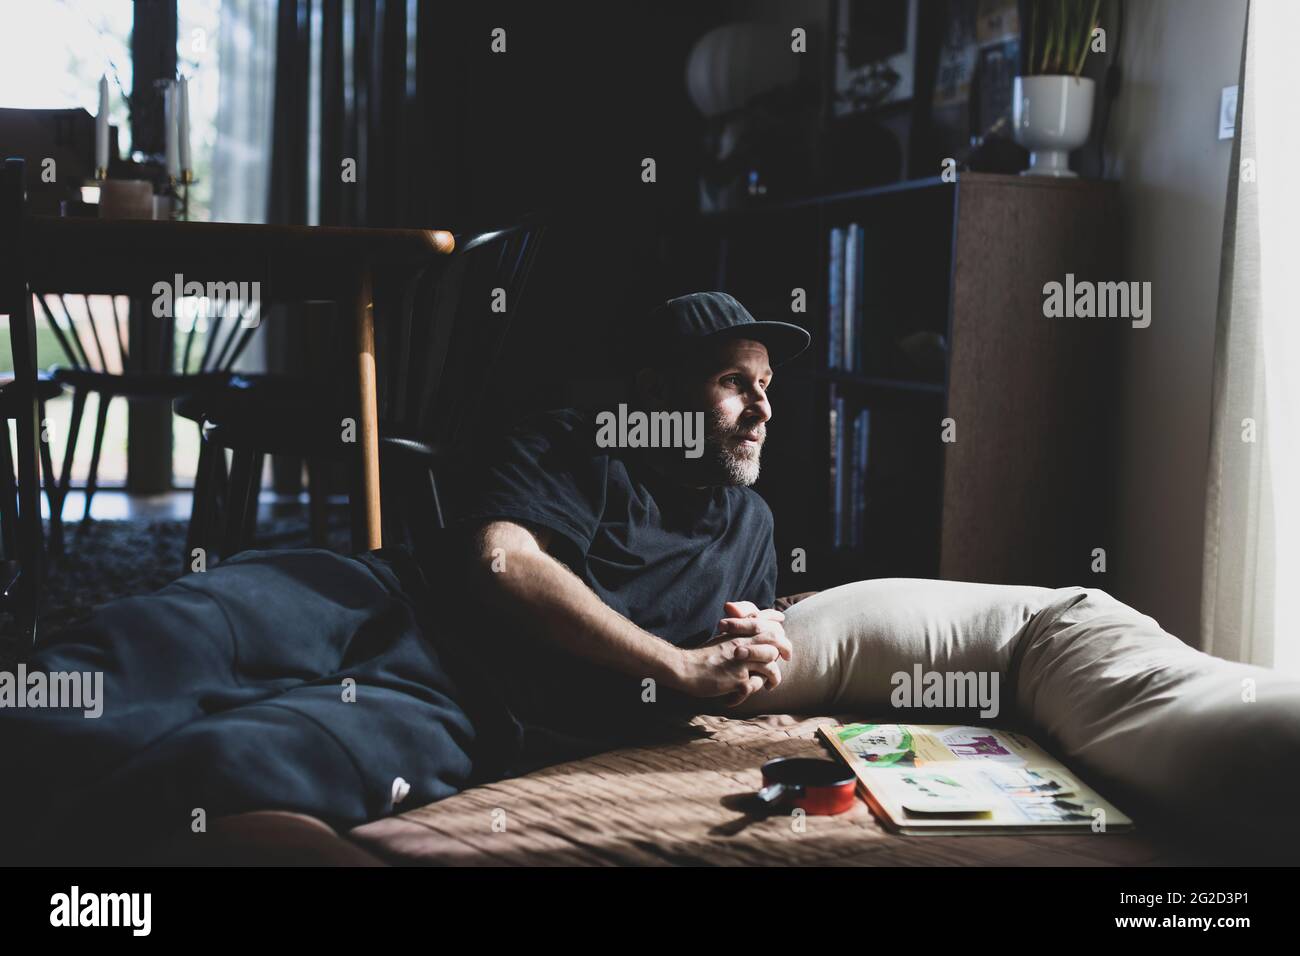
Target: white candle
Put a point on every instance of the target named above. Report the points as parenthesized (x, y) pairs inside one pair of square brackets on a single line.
[(101, 129), (183, 125), (169, 128)]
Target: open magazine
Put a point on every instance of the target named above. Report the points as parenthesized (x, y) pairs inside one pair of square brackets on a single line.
[(946, 779)]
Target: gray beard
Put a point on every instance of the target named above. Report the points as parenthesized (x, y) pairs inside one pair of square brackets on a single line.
[(736, 467)]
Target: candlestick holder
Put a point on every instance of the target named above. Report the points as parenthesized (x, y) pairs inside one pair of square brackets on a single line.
[(187, 180), (175, 195)]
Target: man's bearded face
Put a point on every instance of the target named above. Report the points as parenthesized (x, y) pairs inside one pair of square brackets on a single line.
[(734, 446), (736, 408)]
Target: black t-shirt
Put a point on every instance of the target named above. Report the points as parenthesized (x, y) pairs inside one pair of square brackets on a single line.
[(665, 556)]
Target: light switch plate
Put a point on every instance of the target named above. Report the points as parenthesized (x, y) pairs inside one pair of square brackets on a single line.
[(1228, 112)]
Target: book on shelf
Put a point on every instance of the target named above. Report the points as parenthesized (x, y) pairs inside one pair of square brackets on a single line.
[(854, 255), (845, 291), (852, 248), (832, 464), (839, 429), (861, 445), (835, 300), (850, 444)]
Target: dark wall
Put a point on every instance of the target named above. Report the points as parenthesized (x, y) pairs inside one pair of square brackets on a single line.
[(560, 121), (563, 121)]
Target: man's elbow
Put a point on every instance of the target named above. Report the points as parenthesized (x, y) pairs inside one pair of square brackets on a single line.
[(499, 547)]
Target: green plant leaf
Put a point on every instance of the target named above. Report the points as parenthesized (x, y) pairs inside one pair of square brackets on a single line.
[(1085, 40), (1032, 45), (1059, 35)]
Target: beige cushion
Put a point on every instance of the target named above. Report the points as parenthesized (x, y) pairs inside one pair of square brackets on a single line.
[(1171, 735), (848, 641), (1196, 740)]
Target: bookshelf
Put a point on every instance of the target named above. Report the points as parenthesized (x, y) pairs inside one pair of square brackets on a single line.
[(948, 324)]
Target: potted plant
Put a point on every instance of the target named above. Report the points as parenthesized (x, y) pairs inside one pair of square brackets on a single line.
[(1051, 102)]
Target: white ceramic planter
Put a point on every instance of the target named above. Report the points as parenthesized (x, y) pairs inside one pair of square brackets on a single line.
[(1052, 116)]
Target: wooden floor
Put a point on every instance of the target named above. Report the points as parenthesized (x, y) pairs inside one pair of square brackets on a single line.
[(116, 504)]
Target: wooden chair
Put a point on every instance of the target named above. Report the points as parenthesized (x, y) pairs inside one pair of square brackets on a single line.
[(22, 400), (11, 408), (439, 334), (154, 368)]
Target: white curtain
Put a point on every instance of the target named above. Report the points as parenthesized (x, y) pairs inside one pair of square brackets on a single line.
[(241, 157), (1251, 595)]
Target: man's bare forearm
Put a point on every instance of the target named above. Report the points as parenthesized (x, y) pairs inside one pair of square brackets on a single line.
[(514, 571)]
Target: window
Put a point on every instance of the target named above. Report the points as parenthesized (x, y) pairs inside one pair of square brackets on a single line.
[(52, 58)]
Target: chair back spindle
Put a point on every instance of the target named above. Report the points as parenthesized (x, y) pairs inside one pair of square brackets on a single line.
[(22, 592), (476, 295)]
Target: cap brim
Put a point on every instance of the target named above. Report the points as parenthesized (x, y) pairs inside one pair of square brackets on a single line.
[(783, 340)]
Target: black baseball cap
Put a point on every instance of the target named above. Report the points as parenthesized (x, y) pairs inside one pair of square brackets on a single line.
[(680, 326)]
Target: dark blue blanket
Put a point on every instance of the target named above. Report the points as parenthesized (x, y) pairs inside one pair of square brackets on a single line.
[(297, 680)]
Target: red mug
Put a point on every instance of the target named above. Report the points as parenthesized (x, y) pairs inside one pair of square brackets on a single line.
[(816, 786)]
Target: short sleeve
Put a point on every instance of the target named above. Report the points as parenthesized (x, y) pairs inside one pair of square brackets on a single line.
[(545, 472), (767, 570)]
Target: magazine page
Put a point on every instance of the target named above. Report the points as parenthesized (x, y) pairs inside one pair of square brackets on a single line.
[(953, 778)]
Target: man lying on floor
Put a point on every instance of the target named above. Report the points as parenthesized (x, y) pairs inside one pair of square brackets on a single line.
[(614, 588)]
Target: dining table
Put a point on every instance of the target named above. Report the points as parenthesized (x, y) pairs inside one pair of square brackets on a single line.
[(291, 263)]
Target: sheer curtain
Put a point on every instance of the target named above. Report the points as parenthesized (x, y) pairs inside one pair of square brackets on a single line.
[(241, 160), (241, 156), (1251, 596)]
